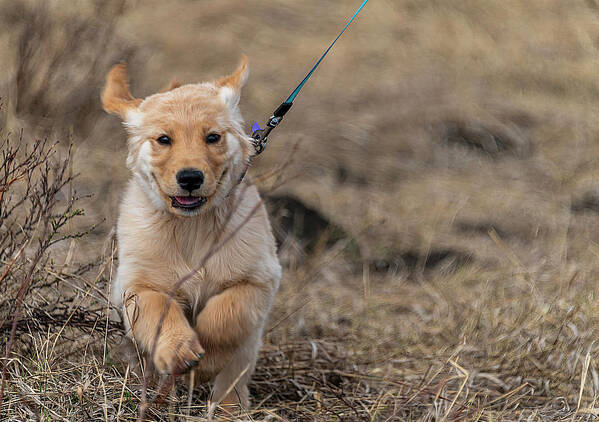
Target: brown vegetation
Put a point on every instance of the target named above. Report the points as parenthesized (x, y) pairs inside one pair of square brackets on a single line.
[(439, 227)]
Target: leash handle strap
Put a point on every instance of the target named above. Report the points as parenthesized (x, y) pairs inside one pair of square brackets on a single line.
[(260, 136)]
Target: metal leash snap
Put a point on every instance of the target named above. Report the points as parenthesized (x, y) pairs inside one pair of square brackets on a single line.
[(260, 136)]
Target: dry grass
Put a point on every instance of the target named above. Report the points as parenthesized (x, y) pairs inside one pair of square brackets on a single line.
[(447, 152)]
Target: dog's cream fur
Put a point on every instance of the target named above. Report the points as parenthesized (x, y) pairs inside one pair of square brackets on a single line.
[(217, 316)]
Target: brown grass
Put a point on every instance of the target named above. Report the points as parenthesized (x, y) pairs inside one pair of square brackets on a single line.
[(446, 149)]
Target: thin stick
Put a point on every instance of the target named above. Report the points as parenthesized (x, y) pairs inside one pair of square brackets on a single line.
[(190, 391), (466, 376), (118, 412)]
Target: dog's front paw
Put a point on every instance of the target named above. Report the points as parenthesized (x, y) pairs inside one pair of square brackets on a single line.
[(176, 353)]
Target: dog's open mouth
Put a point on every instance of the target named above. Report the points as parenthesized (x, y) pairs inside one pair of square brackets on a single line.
[(188, 202)]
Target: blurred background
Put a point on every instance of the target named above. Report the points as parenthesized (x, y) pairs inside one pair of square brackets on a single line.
[(440, 222)]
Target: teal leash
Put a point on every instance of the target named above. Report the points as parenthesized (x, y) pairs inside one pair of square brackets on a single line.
[(260, 136)]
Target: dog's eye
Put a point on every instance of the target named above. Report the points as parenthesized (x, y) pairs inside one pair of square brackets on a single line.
[(212, 138), (164, 140)]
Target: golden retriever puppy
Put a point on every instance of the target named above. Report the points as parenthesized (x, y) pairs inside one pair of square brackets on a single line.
[(187, 153)]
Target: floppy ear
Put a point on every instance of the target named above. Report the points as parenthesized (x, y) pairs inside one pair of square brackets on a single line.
[(231, 85), (116, 98)]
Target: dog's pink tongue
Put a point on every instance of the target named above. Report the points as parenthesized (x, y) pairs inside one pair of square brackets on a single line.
[(186, 200)]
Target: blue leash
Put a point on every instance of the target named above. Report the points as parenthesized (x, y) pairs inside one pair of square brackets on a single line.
[(260, 136)]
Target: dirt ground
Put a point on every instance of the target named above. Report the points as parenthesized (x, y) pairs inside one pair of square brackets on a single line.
[(439, 226)]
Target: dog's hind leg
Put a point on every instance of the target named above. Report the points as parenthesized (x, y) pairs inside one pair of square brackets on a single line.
[(230, 385), (230, 327)]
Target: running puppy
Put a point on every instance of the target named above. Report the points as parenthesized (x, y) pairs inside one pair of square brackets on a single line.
[(187, 153)]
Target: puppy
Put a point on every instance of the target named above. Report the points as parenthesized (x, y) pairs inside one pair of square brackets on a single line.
[(188, 153)]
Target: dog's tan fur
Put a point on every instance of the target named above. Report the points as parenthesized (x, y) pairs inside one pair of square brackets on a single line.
[(220, 311)]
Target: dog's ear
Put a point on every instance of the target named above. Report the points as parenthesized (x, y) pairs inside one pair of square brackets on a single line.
[(116, 97), (231, 85)]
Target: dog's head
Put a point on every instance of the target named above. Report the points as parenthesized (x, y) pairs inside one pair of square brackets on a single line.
[(187, 147)]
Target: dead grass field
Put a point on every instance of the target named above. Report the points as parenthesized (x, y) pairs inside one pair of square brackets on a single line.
[(448, 151)]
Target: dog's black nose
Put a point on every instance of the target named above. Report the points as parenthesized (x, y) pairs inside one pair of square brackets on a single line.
[(190, 179)]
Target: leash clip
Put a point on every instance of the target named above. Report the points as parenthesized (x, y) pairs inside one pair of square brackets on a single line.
[(260, 136)]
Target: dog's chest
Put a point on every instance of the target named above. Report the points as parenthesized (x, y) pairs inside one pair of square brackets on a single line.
[(209, 265)]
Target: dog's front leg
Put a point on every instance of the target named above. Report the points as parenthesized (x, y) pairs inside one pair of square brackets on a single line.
[(151, 313), (230, 328)]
